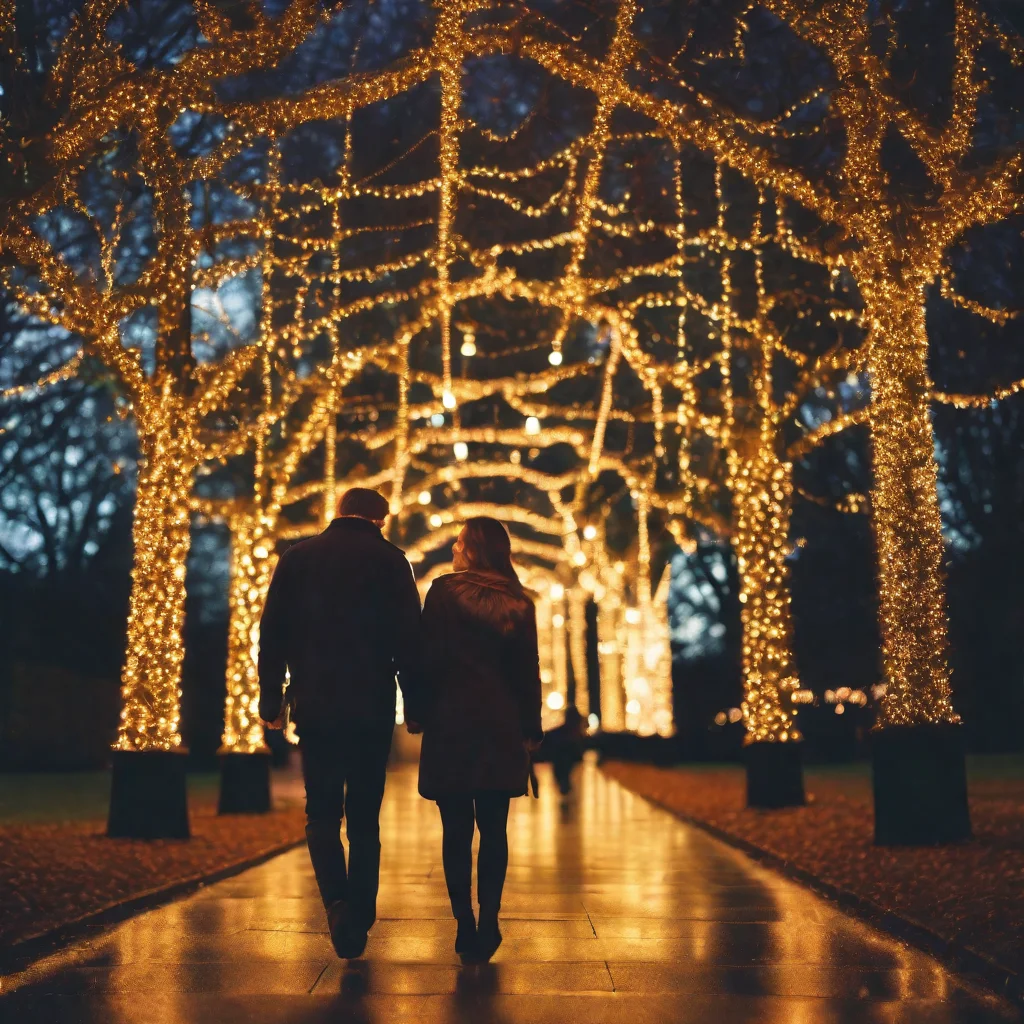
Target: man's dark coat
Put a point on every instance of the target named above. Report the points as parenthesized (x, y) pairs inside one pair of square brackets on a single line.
[(342, 614), (481, 685)]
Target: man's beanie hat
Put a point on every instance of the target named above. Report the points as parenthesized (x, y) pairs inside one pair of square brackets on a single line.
[(361, 501)]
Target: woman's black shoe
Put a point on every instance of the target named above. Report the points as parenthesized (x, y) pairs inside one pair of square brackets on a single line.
[(488, 939), (465, 940)]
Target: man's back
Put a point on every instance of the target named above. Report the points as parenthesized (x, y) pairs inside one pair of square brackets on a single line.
[(342, 614)]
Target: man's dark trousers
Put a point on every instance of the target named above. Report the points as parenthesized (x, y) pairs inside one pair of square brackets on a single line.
[(344, 770)]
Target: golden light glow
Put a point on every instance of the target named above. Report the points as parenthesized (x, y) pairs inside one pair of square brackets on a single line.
[(279, 400)]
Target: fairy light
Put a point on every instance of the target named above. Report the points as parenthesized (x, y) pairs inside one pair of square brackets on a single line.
[(414, 440), (449, 46)]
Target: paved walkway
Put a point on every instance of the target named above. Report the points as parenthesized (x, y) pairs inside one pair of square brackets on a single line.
[(614, 912)]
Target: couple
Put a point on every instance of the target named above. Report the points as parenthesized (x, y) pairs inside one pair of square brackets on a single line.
[(342, 616)]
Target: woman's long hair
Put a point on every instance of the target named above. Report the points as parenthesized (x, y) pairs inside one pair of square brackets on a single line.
[(488, 546)]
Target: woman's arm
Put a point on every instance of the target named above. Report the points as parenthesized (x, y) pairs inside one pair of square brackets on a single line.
[(420, 697), (528, 686)]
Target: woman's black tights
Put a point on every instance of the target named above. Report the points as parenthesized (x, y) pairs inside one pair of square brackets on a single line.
[(490, 813)]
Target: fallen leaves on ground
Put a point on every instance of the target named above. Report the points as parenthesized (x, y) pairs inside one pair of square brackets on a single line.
[(53, 873)]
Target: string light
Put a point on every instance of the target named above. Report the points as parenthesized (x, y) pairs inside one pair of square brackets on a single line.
[(415, 433)]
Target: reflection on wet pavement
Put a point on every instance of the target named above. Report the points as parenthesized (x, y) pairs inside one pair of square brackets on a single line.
[(614, 911)]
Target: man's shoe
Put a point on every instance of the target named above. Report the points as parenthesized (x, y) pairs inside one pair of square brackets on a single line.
[(337, 920), (348, 940), (351, 944), (488, 939), (465, 940)]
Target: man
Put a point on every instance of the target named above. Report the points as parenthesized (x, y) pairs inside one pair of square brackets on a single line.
[(342, 615)]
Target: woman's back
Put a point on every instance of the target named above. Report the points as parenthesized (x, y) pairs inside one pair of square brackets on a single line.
[(482, 673), (482, 691)]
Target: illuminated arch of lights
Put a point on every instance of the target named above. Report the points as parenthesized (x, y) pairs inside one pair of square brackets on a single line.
[(475, 332)]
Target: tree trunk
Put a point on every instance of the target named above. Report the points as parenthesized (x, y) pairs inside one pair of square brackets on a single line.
[(151, 677), (905, 513), (762, 498), (252, 562)]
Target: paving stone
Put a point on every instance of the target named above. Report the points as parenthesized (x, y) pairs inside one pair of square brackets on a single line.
[(615, 913)]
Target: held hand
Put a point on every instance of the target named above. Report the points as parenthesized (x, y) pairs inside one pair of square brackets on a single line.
[(413, 728), (275, 725)]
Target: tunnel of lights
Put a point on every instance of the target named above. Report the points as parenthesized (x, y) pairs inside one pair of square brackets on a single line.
[(476, 329)]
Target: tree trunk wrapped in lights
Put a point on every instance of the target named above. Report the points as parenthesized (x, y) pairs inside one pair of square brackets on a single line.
[(610, 613), (763, 502), (252, 561), (151, 678), (647, 655), (919, 774), (908, 526), (578, 648), (148, 792), (762, 499), (245, 756)]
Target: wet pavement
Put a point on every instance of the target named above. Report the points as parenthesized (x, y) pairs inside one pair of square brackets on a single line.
[(614, 912)]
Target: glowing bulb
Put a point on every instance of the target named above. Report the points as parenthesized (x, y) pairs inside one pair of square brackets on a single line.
[(461, 450), (633, 616), (468, 346), (633, 707), (532, 425), (557, 591), (448, 399), (558, 621), (555, 701), (593, 721), (437, 420), (555, 358), (579, 558), (435, 520), (260, 551), (590, 532), (424, 497)]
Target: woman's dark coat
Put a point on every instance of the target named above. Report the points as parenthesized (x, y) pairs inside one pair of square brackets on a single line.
[(481, 685)]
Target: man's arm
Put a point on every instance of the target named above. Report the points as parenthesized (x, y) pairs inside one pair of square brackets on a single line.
[(272, 657), (408, 640)]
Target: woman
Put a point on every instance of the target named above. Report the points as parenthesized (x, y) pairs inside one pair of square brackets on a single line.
[(483, 686)]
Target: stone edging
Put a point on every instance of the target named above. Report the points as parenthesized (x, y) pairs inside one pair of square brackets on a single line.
[(51, 941), (959, 957)]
